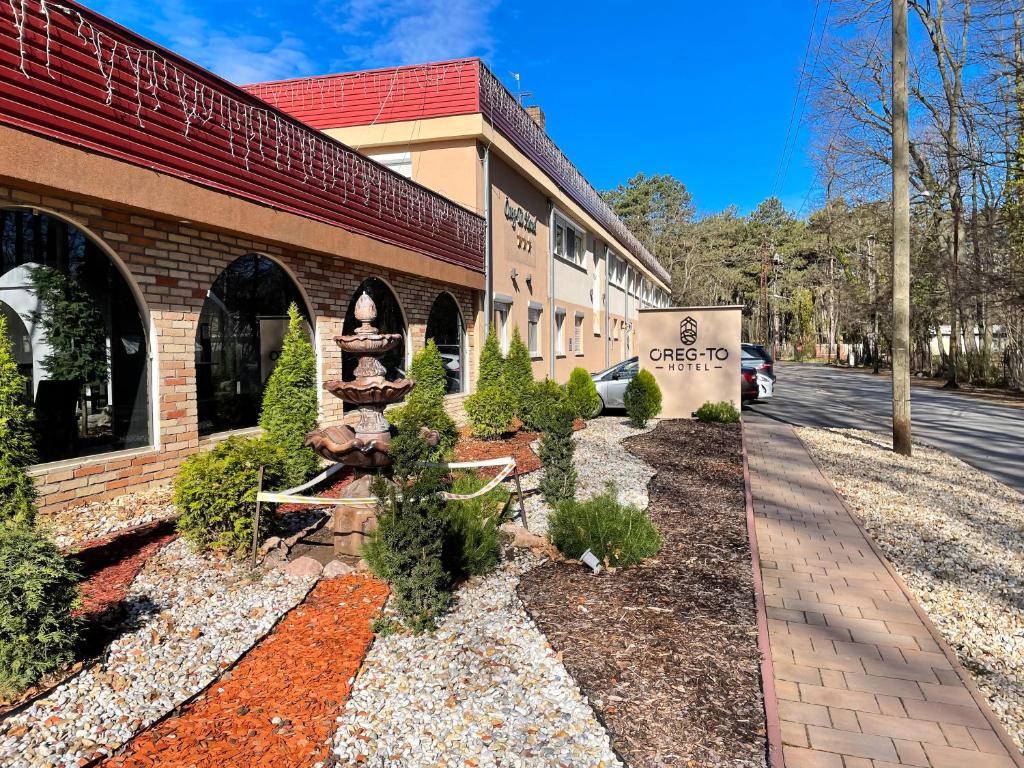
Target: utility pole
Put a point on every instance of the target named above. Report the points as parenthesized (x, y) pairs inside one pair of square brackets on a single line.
[(900, 233)]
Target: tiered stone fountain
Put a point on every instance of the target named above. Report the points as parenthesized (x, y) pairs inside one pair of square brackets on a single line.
[(366, 445)]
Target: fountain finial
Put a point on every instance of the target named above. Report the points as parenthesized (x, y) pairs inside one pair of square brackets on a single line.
[(366, 313)]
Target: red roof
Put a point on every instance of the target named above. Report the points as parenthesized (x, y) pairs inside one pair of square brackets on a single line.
[(441, 89), (377, 95), (70, 74)]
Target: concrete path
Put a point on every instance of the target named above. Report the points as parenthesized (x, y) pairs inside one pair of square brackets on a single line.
[(986, 435), (860, 680)]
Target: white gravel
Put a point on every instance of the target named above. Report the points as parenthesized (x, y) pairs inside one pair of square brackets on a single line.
[(485, 689), (956, 536), (600, 458), (72, 526), (195, 616)]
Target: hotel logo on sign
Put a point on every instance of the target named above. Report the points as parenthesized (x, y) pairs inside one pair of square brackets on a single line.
[(688, 357)]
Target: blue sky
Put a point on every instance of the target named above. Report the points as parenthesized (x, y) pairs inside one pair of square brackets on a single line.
[(702, 91)]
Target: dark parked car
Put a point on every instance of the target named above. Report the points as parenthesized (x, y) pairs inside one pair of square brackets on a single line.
[(758, 357), (749, 390)]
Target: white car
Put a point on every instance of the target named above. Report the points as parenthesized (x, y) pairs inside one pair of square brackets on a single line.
[(611, 383)]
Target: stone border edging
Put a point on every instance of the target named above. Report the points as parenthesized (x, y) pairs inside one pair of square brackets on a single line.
[(773, 728), (997, 726)]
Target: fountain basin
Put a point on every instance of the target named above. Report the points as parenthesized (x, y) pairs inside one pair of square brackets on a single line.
[(363, 392), (373, 344)]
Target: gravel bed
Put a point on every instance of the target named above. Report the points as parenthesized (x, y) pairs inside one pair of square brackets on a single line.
[(485, 689), (191, 616), (956, 536), (600, 457), (75, 525)]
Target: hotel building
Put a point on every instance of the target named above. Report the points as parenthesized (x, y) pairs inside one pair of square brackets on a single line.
[(559, 264)]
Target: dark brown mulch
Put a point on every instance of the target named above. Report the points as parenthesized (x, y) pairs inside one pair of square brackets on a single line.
[(667, 651)]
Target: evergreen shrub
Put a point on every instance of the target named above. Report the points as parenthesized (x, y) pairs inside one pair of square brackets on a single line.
[(582, 395), (642, 398), (407, 549), (545, 399), (425, 404), (491, 411), (290, 402), (723, 413), (618, 534), (518, 373), (38, 595), (17, 440), (492, 364), (472, 544), (557, 452), (215, 492)]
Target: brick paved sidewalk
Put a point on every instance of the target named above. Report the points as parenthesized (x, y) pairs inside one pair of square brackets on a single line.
[(860, 679)]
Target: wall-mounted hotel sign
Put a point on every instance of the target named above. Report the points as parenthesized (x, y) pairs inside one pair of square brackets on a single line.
[(694, 353), (520, 217)]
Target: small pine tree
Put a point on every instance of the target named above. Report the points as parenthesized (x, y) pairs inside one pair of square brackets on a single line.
[(557, 452), (38, 597), (17, 441), (407, 549), (424, 407), (642, 399), (290, 401), (582, 394), (518, 372), (492, 364)]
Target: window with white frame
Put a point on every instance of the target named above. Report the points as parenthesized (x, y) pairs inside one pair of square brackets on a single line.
[(533, 330), (399, 162), (570, 241), (560, 332), (501, 310), (578, 335)]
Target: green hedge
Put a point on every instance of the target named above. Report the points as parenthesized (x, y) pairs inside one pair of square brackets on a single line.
[(723, 413), (642, 399), (38, 594), (618, 534), (546, 398), (215, 492), (582, 395)]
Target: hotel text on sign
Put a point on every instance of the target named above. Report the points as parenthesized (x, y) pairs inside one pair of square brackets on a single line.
[(694, 353)]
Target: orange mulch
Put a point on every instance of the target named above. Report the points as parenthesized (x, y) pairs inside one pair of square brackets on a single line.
[(297, 676), (517, 445), (106, 587)]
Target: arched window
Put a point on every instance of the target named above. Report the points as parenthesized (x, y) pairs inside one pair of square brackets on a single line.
[(445, 327), (390, 319), (241, 330), (79, 335)]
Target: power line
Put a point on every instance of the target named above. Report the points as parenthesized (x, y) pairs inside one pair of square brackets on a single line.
[(796, 96)]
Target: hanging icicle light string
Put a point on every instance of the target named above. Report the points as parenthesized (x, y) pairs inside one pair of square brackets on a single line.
[(247, 129)]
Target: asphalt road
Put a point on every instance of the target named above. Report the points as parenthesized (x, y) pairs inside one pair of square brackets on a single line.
[(984, 434)]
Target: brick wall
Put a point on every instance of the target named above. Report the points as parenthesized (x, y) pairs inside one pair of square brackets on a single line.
[(172, 265)]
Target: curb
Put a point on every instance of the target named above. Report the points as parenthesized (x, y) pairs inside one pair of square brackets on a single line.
[(1016, 756), (771, 702)]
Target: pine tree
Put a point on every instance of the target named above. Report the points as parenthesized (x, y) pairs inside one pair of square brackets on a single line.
[(557, 452), (518, 372), (17, 442), (492, 364), (424, 407), (290, 400)]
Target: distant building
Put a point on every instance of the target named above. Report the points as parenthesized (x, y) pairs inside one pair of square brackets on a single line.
[(560, 265)]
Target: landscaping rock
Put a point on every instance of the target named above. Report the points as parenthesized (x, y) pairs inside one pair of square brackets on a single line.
[(269, 544), (73, 526), (522, 538), (337, 568), (304, 566), (156, 664), (485, 689)]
